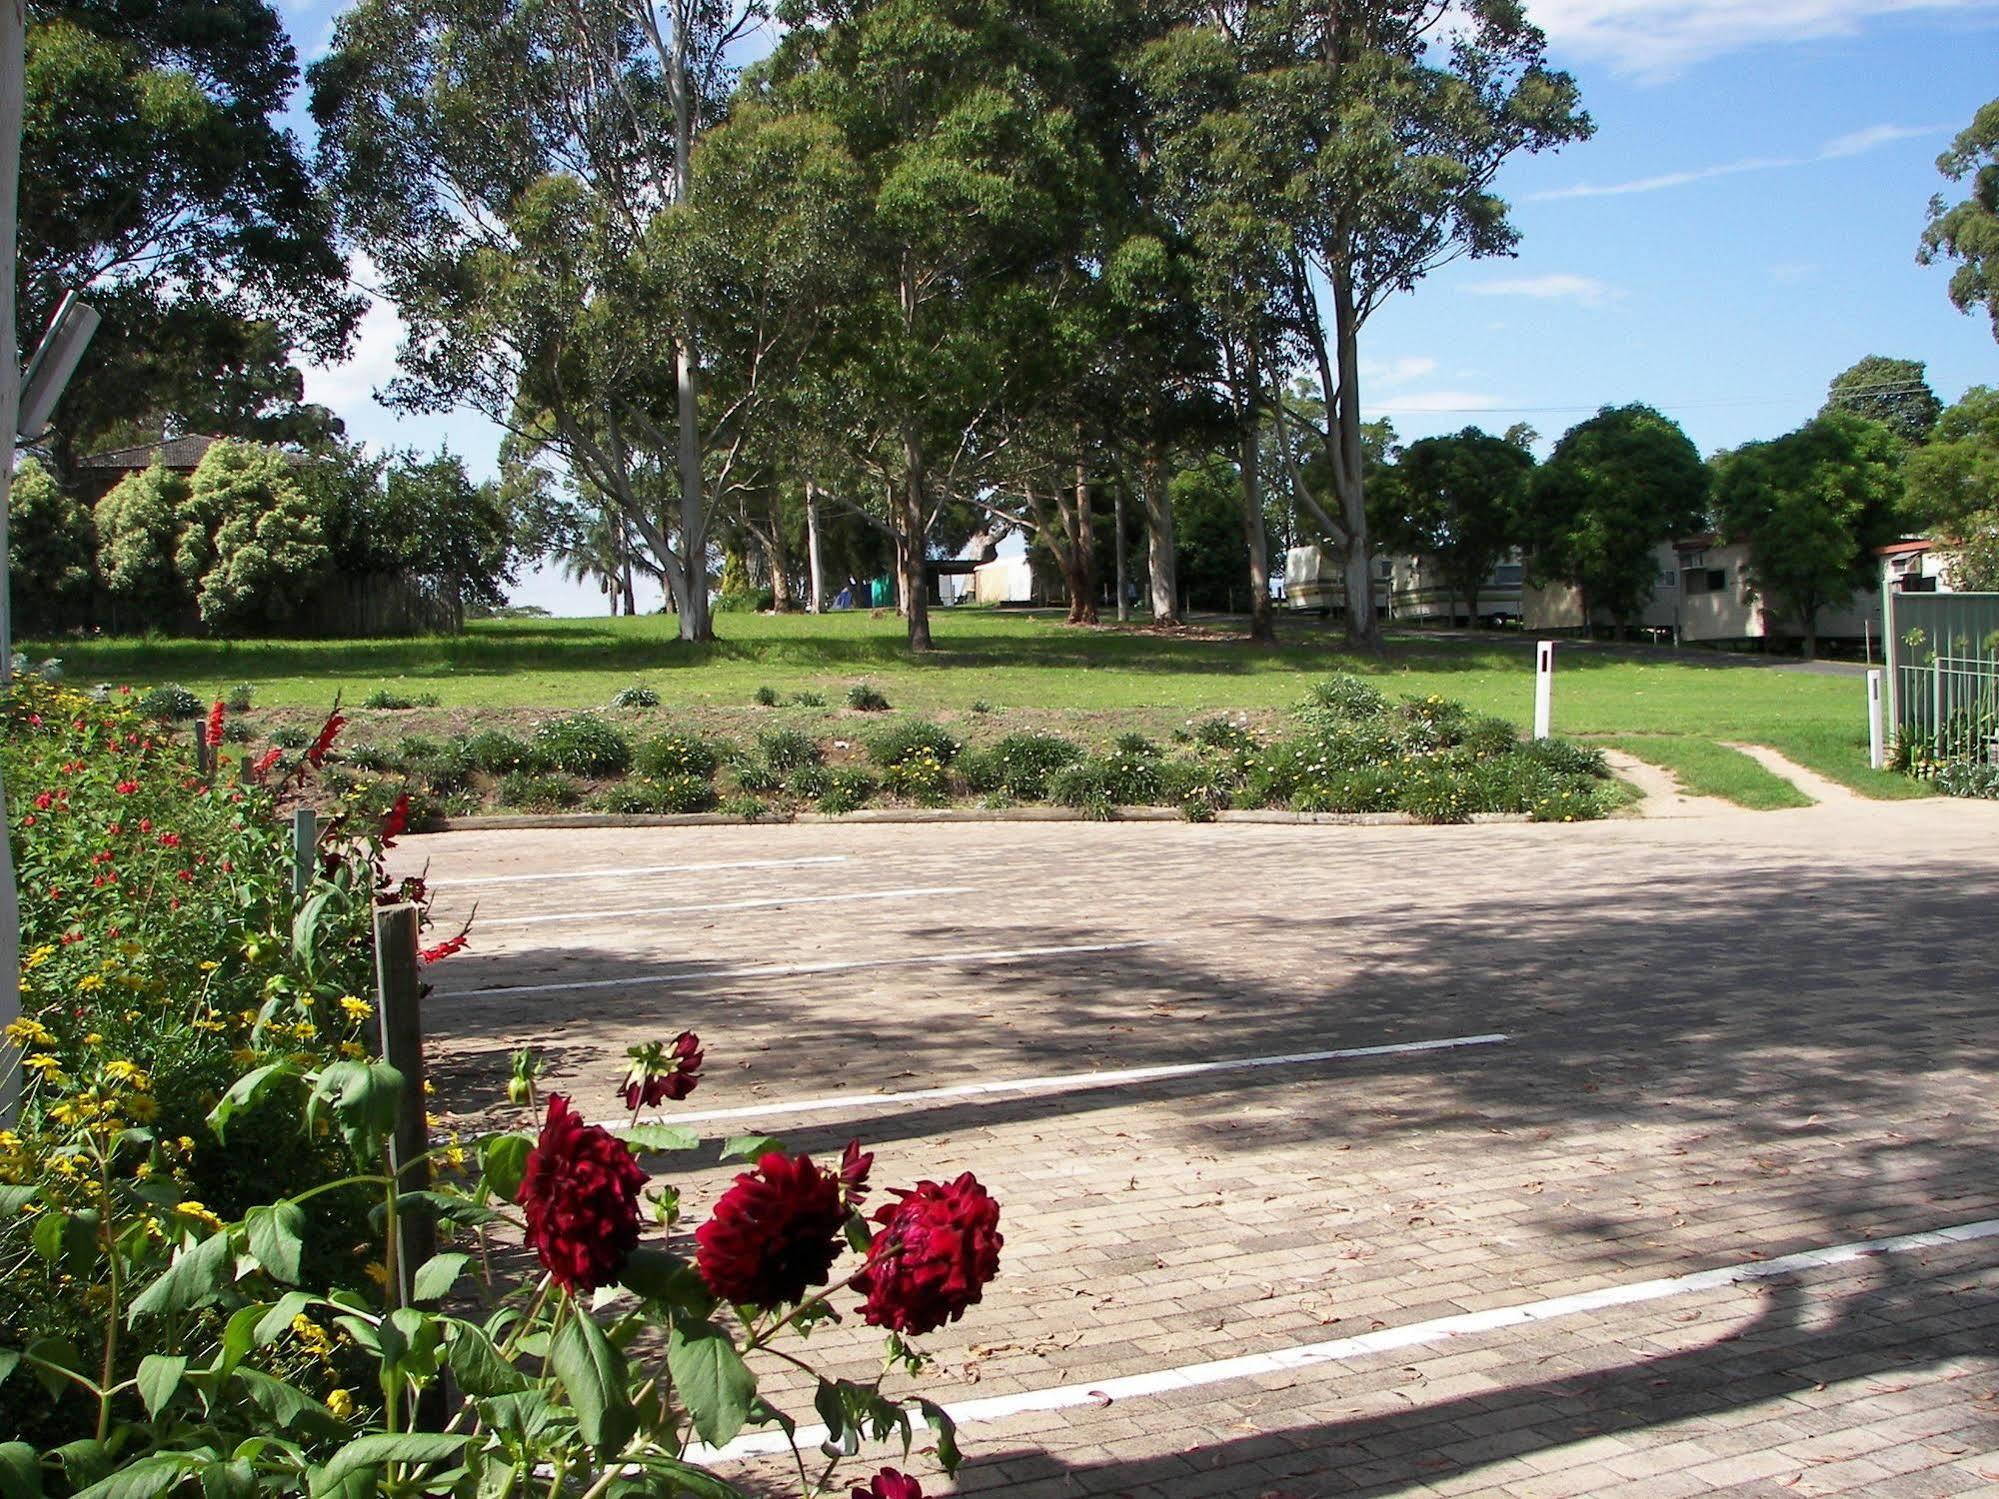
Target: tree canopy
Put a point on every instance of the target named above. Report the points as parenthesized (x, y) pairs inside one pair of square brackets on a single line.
[(1893, 392), (1953, 486), (1968, 231), (1461, 497)]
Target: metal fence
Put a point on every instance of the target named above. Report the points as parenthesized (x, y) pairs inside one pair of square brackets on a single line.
[(1943, 651)]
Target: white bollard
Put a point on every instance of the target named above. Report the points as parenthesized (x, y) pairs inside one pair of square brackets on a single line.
[(1877, 751), (1544, 687)]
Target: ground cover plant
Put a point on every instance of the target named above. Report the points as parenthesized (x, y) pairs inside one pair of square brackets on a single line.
[(1027, 668), (202, 1227)]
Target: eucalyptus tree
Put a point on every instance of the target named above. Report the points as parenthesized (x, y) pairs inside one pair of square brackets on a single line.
[(507, 164), (1893, 392), (1968, 231), (1388, 121)]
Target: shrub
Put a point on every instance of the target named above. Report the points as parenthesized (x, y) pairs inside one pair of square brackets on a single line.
[(787, 749), (371, 756), (1135, 744), (744, 601), (1199, 788), (910, 738), (1346, 697), (636, 696), (1436, 793), (169, 702), (1227, 733), (443, 768), (920, 777), (1568, 802), (808, 699), (1118, 779), (765, 697), (865, 698), (1487, 737), (583, 745), (848, 788), (1375, 788), (757, 777), (389, 700), (538, 791), (809, 782), (677, 754), (1432, 723), (1565, 757), (981, 706), (497, 752), (290, 736), (241, 698), (236, 731), (1967, 778), (1019, 764), (657, 795), (749, 808)]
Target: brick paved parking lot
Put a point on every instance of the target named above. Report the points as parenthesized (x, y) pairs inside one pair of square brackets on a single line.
[(1684, 1046)]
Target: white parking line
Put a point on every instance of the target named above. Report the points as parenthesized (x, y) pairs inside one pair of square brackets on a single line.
[(732, 905), (785, 970), (639, 869), (1437, 1330), (1067, 1082)]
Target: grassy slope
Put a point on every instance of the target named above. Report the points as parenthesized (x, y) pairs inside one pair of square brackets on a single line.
[(1705, 768), (1015, 660)]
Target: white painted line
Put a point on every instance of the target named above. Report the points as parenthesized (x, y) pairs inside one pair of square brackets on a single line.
[(638, 870), (786, 970), (1067, 1082), (732, 905), (1388, 1340)]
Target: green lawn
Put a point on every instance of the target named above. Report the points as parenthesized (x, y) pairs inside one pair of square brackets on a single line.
[(1704, 768), (1018, 662)]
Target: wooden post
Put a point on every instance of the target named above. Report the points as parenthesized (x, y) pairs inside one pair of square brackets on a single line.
[(305, 850), (204, 753), (398, 1013)]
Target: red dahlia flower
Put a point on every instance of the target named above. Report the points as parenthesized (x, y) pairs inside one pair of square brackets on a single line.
[(660, 1073), (889, 1484), (215, 724), (932, 1256), (581, 1193), (854, 1166), (774, 1233)]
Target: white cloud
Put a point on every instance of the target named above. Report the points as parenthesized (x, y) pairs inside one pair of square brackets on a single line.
[(351, 386), (1840, 147), (1397, 371), (1560, 286), (1657, 39)]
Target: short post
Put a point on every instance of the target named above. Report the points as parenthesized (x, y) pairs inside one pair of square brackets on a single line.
[(1544, 687), (398, 1012), (1877, 753), (204, 753), (305, 849)]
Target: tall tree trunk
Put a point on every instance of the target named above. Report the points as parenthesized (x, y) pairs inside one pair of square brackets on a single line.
[(694, 622), (816, 604), (1262, 619), (1363, 629), (911, 504), (1079, 555), (776, 561), (1160, 558), (1811, 633), (625, 574), (1123, 557)]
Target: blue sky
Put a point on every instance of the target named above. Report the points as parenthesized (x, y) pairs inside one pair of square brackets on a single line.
[(1742, 227)]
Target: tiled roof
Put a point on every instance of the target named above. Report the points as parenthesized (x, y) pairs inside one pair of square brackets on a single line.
[(175, 452)]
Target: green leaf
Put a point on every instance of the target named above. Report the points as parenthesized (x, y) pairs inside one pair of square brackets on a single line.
[(60, 1352), (9, 1357), (714, 1383), (685, 1478), (159, 1377), (246, 1092), (504, 1160), (939, 1421), (276, 1318), (84, 1461), (656, 1275), (477, 1366), (20, 1471), (144, 1479), (275, 1238), (750, 1147), (189, 1281), (593, 1372), (659, 1137), (437, 1275), (832, 1410), (381, 1448), (14, 1197), (362, 1098), (287, 1406), (230, 1480)]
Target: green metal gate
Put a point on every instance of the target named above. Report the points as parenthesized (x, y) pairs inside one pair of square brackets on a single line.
[(1943, 658)]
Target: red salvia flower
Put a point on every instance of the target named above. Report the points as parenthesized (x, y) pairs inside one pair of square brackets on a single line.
[(444, 949), (932, 1257), (398, 820), (328, 732), (659, 1073), (854, 1165), (580, 1191), (215, 724), (890, 1483), (266, 760), (774, 1233)]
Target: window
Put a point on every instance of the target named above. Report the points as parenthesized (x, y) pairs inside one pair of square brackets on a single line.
[(1706, 579)]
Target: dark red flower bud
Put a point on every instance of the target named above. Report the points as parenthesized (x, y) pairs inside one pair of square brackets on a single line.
[(854, 1165), (931, 1257), (774, 1233), (659, 1074), (581, 1194)]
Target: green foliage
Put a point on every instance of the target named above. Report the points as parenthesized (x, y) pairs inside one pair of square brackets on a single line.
[(583, 745), (677, 754), (51, 540), (538, 791), (1968, 232), (170, 701), (138, 528), (864, 697), (498, 752), (1967, 778), (1019, 765), (1892, 392), (241, 698), (1952, 486), (919, 776), (252, 544), (636, 696), (1566, 757), (758, 778), (1616, 485), (1118, 779), (765, 697), (808, 700), (394, 700), (788, 749), (1343, 697), (848, 788), (910, 737), (290, 736), (1461, 499), (659, 794)]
